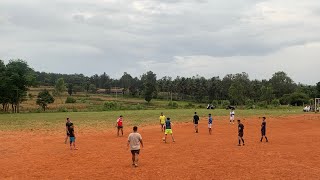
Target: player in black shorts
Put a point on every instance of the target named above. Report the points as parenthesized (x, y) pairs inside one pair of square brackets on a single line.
[(240, 133), (68, 125), (263, 129), (196, 121)]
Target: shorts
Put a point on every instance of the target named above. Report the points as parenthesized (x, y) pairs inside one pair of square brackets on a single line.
[(263, 132), (72, 139), (135, 151), (209, 126), (120, 127), (168, 131), (195, 125), (240, 134), (231, 118), (162, 124)]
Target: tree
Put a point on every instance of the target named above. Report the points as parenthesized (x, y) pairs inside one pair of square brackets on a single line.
[(59, 88), (266, 94), (70, 89), (150, 85), (18, 77), (236, 93), (318, 89), (44, 98), (282, 84)]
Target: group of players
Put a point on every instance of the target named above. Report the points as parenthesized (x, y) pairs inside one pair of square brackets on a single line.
[(135, 139)]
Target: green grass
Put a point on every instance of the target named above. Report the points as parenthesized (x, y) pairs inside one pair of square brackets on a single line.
[(107, 119)]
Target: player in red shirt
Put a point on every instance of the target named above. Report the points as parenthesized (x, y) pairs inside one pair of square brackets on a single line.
[(119, 125)]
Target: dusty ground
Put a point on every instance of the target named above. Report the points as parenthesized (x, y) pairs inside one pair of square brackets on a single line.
[(292, 153)]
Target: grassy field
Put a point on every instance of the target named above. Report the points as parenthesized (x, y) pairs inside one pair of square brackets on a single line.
[(106, 119)]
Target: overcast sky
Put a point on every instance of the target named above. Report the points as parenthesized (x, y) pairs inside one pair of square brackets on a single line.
[(168, 37)]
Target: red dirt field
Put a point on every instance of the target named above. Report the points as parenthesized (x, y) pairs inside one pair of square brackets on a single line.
[(292, 153)]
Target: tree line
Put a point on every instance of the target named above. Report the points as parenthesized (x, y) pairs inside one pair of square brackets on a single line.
[(237, 89)]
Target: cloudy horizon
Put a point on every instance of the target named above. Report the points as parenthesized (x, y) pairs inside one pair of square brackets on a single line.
[(169, 37)]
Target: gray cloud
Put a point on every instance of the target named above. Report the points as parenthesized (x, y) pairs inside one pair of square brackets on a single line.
[(115, 35)]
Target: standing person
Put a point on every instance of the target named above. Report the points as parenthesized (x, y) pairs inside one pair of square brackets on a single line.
[(196, 121), (210, 124), (240, 133), (168, 127), (72, 138), (162, 121), (232, 115), (134, 141), (119, 125), (68, 125), (263, 129)]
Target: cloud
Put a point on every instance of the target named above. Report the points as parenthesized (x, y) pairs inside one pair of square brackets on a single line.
[(111, 35)]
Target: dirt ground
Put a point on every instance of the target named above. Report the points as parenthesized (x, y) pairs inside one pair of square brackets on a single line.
[(293, 152)]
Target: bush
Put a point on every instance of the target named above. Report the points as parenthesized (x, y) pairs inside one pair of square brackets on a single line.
[(275, 103), (263, 104), (110, 105), (225, 103), (173, 104), (70, 100), (189, 105), (201, 106), (62, 109), (249, 104), (215, 103)]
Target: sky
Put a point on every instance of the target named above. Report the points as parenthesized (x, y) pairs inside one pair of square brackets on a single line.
[(169, 37)]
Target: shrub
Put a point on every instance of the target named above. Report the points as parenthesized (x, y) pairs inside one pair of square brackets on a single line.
[(215, 103), (189, 105), (225, 103), (263, 104), (62, 109), (173, 104), (110, 105), (275, 103), (249, 104), (70, 100)]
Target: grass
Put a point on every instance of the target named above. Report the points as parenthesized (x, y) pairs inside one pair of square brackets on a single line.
[(107, 119)]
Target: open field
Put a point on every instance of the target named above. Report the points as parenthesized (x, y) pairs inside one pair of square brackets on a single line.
[(106, 119), (40, 153)]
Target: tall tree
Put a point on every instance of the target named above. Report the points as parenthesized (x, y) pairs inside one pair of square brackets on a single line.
[(44, 98), (150, 85), (70, 89), (59, 88), (282, 84)]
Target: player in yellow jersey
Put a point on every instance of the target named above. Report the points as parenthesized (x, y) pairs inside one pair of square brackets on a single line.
[(162, 122)]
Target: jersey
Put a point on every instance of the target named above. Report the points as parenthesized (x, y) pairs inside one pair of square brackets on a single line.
[(162, 119), (195, 119), (119, 122), (263, 126), (240, 128), (210, 120), (168, 124), (232, 114)]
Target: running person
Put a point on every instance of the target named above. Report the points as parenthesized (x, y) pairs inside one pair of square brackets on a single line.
[(196, 122), (240, 133), (232, 115), (168, 125), (263, 129), (119, 125), (68, 125), (72, 137), (162, 121), (134, 141), (210, 124)]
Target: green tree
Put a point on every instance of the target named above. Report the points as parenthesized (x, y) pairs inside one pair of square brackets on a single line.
[(70, 89), (150, 85), (18, 78), (282, 84), (236, 93), (44, 98), (59, 88), (318, 89), (266, 94)]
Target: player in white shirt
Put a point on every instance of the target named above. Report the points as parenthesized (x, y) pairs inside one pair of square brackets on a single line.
[(232, 116)]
